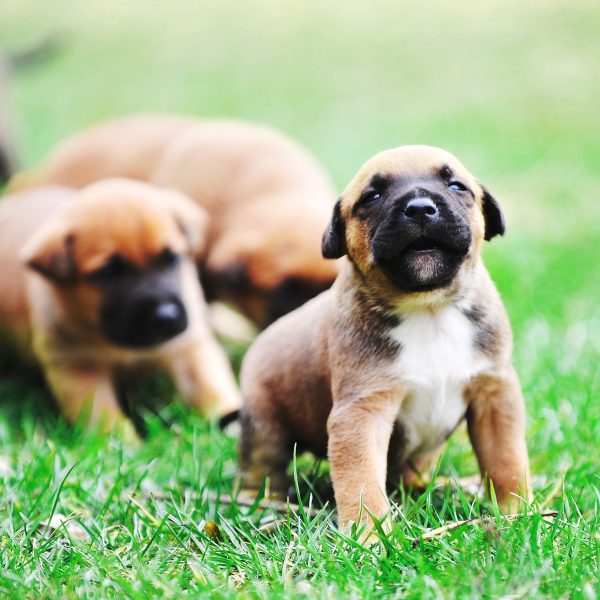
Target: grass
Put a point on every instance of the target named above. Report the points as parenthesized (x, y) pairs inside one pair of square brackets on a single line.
[(510, 88)]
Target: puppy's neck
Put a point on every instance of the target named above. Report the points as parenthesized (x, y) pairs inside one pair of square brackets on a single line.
[(380, 298)]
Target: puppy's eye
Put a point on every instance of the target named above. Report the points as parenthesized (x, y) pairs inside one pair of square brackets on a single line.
[(457, 186), (113, 268), (167, 258), (369, 197)]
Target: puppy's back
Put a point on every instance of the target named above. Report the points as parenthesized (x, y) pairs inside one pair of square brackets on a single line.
[(127, 147), (236, 162)]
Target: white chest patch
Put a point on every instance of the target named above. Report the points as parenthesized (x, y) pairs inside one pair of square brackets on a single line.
[(437, 359)]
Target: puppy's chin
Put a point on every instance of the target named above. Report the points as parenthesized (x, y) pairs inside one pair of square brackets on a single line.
[(423, 265)]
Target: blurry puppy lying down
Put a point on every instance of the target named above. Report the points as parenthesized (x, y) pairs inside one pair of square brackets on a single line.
[(99, 286), (268, 199)]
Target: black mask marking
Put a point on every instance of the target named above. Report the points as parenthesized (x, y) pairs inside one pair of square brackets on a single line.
[(143, 309)]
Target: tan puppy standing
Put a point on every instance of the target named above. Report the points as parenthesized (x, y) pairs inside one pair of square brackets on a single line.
[(267, 197), (99, 286), (379, 370)]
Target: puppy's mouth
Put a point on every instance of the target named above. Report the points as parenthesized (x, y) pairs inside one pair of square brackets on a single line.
[(427, 244), (422, 245), (424, 264)]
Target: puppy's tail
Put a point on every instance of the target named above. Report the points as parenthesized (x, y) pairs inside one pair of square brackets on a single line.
[(228, 419)]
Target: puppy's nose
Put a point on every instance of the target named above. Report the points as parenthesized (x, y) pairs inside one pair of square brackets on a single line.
[(167, 318), (167, 312), (421, 209)]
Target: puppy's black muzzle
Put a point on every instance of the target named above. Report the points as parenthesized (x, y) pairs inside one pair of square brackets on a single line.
[(143, 312), (419, 240), (234, 283)]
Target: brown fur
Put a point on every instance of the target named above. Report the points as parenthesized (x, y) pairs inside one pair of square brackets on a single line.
[(52, 240), (268, 199), (324, 376)]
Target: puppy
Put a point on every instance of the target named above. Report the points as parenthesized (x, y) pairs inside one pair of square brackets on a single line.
[(99, 286), (267, 197), (412, 338)]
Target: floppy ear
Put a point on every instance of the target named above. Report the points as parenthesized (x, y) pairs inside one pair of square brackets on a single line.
[(49, 252), (192, 220), (333, 244), (493, 215)]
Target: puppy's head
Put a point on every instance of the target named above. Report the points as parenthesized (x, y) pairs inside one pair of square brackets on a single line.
[(118, 258), (412, 220), (269, 267)]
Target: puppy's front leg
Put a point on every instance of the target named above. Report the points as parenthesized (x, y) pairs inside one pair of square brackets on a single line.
[(78, 389), (359, 433), (203, 376), (496, 423)]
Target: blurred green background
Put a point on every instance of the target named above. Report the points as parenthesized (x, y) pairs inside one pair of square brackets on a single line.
[(512, 88)]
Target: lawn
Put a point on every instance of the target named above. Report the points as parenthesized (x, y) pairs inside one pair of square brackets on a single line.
[(512, 89)]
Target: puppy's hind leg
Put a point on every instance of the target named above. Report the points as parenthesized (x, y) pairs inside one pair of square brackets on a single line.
[(414, 473), (265, 451)]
